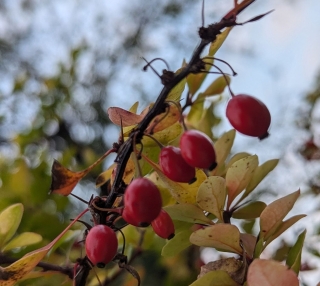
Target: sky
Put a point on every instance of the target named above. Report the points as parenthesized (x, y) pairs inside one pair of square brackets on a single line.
[(276, 58)]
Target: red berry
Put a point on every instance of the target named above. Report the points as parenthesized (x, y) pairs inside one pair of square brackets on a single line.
[(249, 115), (101, 245), (197, 150), (163, 225), (142, 202), (174, 166)]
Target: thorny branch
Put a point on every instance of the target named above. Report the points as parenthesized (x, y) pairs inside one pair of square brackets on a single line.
[(207, 35)]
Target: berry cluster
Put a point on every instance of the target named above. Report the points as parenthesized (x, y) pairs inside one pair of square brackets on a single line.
[(143, 206), (196, 151)]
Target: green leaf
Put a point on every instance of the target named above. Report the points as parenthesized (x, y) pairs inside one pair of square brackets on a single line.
[(195, 114), (274, 213), (178, 243), (212, 195), (249, 211), (259, 174), (294, 255), (22, 240), (215, 278), (188, 213), (216, 87), (259, 248), (239, 175), (223, 237), (215, 46), (208, 120), (175, 93), (10, 219), (68, 237)]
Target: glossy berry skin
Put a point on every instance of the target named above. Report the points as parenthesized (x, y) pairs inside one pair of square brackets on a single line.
[(142, 202), (163, 225), (197, 150), (174, 166), (101, 245), (249, 115)]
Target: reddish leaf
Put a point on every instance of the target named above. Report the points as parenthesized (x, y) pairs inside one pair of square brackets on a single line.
[(121, 116), (270, 273)]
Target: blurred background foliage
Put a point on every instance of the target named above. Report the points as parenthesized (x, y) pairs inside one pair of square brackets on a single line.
[(56, 109)]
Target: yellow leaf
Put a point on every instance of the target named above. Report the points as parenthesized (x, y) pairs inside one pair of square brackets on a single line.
[(215, 46), (239, 175), (187, 212), (22, 240), (182, 192), (212, 194), (178, 243), (223, 237), (10, 219), (19, 269)]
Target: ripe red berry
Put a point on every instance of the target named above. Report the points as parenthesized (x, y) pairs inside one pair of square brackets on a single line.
[(249, 115), (174, 166), (163, 225), (197, 150), (142, 202), (101, 245)]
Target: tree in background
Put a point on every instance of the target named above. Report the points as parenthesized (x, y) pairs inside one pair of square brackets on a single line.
[(55, 135)]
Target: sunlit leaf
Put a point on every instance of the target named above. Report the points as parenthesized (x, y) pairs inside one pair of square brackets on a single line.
[(223, 145), (164, 120), (223, 237), (249, 211), (294, 255), (283, 226), (134, 107), (215, 46), (270, 273), (274, 213), (178, 243), (212, 195), (164, 136), (24, 265), (215, 278), (10, 219), (166, 197), (195, 114), (187, 212), (238, 176), (195, 81), (216, 87), (208, 120), (175, 93), (22, 240), (259, 174), (182, 192), (237, 157)]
